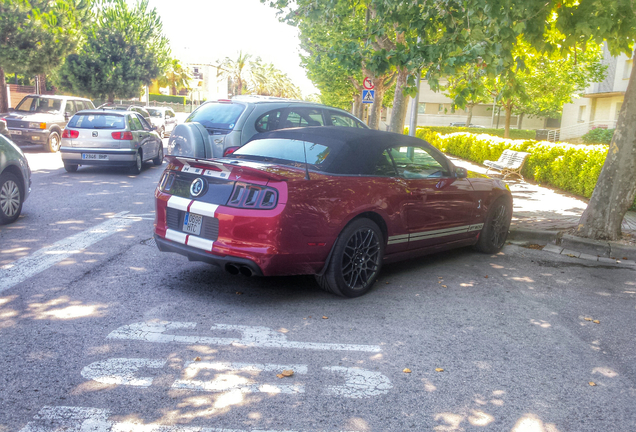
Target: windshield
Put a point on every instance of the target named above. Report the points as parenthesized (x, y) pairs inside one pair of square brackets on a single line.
[(286, 152), (155, 113), (39, 104), (217, 115), (97, 121)]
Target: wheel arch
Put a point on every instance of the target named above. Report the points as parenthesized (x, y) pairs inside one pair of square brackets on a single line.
[(13, 169)]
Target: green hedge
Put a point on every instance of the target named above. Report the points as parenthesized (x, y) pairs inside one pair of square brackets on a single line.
[(598, 136), (167, 98), (569, 167), (514, 133)]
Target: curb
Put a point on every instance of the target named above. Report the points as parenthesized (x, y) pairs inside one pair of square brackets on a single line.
[(559, 242)]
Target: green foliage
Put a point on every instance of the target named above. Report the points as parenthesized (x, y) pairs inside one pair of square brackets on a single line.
[(176, 77), (598, 136), (516, 133), (167, 98), (124, 50), (569, 167)]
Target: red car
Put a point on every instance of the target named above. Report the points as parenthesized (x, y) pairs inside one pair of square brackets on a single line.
[(333, 202)]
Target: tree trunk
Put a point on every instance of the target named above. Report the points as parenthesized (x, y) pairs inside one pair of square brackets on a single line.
[(173, 90), (508, 115), (400, 103), (470, 115), (616, 186), (357, 106), (520, 120), (381, 84), (4, 96), (111, 98)]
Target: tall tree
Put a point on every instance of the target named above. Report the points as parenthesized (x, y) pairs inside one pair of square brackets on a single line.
[(124, 50), (35, 35), (235, 70)]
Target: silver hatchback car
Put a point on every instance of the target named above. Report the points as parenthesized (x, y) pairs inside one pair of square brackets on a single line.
[(111, 138)]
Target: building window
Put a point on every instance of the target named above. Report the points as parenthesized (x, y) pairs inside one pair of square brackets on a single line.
[(619, 105), (627, 70), (581, 113), (421, 108)]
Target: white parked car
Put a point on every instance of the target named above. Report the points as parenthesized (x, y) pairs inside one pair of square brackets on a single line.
[(163, 120)]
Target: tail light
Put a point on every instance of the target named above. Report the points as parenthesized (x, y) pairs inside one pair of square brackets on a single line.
[(253, 196), (70, 133), (228, 151), (122, 135)]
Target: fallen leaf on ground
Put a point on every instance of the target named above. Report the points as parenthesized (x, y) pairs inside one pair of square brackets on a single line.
[(281, 376), (197, 359), (596, 322), (239, 293), (592, 383), (440, 277), (324, 317), (535, 246), (444, 286), (624, 258), (587, 319), (304, 318), (486, 276), (406, 370), (287, 372), (439, 370), (572, 256), (388, 283)]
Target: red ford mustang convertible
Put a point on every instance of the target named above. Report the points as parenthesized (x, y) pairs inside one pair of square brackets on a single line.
[(333, 202)]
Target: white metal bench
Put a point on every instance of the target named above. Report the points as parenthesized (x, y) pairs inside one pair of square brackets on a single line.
[(509, 163)]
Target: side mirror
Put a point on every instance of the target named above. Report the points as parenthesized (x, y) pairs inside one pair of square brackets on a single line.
[(461, 172)]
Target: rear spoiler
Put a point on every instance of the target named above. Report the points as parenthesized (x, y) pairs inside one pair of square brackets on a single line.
[(222, 170)]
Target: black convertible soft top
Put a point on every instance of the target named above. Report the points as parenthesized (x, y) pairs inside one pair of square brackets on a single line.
[(354, 151)]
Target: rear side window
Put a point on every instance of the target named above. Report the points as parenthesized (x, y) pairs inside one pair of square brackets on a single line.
[(342, 120), (97, 121), (217, 115), (135, 123), (268, 121), (301, 117)]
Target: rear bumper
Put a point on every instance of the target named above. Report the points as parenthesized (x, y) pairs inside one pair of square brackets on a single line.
[(116, 157), (194, 254)]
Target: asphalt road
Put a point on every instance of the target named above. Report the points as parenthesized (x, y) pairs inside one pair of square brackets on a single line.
[(101, 332)]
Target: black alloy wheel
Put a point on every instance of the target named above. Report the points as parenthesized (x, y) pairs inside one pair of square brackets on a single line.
[(54, 142), (495, 231), (356, 260), (11, 198)]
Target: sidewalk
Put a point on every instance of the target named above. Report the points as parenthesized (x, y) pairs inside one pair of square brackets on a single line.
[(542, 215)]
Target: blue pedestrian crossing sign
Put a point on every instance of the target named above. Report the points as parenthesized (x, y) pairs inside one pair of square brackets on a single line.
[(368, 96)]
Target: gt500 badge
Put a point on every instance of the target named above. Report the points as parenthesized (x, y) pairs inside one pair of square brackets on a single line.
[(197, 186)]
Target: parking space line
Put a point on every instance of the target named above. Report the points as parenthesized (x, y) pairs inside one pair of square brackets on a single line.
[(255, 337), (28, 266)]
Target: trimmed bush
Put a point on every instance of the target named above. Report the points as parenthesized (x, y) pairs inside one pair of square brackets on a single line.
[(598, 136), (570, 167), (166, 98), (514, 133)]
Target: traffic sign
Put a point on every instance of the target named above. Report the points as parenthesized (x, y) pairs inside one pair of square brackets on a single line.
[(367, 83), (368, 96)]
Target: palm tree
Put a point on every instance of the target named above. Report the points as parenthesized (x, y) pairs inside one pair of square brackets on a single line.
[(234, 69), (176, 77)]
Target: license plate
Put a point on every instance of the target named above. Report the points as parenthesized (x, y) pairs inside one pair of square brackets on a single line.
[(90, 156), (15, 132), (192, 223)]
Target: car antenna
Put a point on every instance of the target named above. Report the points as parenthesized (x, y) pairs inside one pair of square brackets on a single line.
[(306, 166)]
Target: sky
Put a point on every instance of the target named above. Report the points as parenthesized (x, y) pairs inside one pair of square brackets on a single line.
[(205, 31)]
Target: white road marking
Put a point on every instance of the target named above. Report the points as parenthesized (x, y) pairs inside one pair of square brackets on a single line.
[(232, 381), (256, 337), (359, 383), (28, 266), (121, 371), (77, 419)]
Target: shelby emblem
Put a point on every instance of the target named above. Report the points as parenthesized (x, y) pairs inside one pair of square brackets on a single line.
[(196, 188)]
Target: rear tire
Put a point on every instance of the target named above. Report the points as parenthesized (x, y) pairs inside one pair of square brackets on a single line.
[(356, 260), (493, 235), (70, 168), (11, 198), (54, 142), (136, 169), (159, 159)]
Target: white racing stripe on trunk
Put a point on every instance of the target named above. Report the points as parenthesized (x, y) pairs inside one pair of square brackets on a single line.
[(28, 266), (78, 419), (261, 337), (203, 208), (178, 203), (200, 243), (176, 236)]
